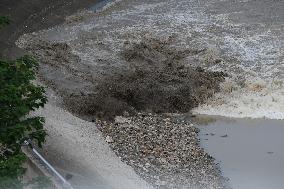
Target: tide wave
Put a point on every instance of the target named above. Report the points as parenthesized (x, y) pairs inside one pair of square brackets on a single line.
[(250, 52), (258, 99)]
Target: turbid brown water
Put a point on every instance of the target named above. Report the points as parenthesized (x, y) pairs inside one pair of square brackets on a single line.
[(33, 15), (249, 151)]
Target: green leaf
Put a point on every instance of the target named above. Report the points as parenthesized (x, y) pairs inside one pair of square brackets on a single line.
[(18, 97)]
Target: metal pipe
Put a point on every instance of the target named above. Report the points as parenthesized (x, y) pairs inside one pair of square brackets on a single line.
[(66, 185)]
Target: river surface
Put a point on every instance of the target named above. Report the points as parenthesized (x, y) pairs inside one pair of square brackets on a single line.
[(244, 38), (247, 35), (249, 152)]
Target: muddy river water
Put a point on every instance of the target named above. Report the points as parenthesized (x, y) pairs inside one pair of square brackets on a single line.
[(250, 152)]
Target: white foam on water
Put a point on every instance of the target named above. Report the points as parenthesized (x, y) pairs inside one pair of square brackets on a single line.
[(261, 73), (258, 99), (251, 52)]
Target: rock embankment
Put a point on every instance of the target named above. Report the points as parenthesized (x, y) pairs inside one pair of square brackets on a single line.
[(164, 150)]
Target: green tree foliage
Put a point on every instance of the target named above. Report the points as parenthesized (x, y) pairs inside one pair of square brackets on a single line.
[(11, 171), (18, 97), (4, 20)]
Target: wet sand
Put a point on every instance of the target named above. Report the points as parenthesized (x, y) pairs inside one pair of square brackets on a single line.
[(249, 151)]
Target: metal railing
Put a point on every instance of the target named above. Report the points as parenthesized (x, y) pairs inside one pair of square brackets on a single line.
[(65, 183)]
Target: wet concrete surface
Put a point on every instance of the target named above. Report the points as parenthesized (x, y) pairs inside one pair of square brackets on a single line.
[(249, 151)]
